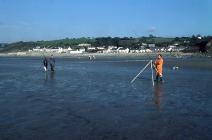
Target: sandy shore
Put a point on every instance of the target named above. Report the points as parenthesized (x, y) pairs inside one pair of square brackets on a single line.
[(40, 54)]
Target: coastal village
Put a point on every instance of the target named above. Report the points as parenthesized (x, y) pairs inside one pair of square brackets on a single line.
[(108, 45), (88, 48)]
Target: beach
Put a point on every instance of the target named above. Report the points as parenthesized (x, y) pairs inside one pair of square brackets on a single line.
[(105, 70), (94, 100), (101, 55)]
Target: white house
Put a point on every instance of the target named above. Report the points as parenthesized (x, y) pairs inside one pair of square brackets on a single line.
[(69, 49), (144, 44), (151, 45), (37, 49), (51, 50), (60, 50), (111, 49), (78, 51), (84, 45), (91, 48), (123, 50), (148, 51), (135, 51)]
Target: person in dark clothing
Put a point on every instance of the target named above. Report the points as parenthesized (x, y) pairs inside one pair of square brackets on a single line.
[(52, 62), (45, 64)]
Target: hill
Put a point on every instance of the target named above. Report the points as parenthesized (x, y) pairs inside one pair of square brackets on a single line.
[(191, 43)]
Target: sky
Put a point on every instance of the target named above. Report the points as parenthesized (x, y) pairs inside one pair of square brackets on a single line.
[(32, 20)]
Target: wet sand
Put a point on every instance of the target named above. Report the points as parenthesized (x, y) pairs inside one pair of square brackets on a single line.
[(94, 100)]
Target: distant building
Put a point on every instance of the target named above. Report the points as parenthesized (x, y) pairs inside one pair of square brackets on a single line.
[(84, 45), (111, 49), (76, 51), (91, 49), (144, 44), (69, 49), (151, 45), (135, 51), (148, 51), (171, 48), (100, 49), (123, 50)]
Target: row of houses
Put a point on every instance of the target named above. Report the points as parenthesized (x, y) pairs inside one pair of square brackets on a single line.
[(58, 50), (110, 49)]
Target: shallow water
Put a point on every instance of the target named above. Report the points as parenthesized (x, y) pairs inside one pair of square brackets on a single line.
[(94, 100)]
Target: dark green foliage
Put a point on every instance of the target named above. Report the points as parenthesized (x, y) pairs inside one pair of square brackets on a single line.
[(18, 46), (65, 42)]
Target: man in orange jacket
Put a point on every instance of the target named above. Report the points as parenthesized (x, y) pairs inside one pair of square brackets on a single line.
[(159, 67)]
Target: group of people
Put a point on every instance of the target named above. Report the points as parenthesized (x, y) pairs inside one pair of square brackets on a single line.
[(50, 61), (158, 66), (91, 57)]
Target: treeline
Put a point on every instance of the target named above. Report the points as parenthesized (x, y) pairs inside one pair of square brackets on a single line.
[(126, 42), (65, 42), (25, 46), (18, 46)]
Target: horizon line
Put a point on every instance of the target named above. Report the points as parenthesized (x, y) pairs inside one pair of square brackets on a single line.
[(89, 37)]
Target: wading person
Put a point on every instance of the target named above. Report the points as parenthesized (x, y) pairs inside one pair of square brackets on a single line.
[(52, 62), (159, 68), (45, 64)]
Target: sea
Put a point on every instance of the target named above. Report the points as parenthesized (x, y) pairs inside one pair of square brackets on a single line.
[(94, 99)]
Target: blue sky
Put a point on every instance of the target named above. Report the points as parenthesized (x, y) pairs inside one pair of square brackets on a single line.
[(30, 20)]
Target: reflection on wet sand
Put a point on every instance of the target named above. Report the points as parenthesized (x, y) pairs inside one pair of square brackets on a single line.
[(49, 76), (158, 92), (52, 75), (46, 76)]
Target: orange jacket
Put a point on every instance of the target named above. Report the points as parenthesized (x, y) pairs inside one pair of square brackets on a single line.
[(159, 66)]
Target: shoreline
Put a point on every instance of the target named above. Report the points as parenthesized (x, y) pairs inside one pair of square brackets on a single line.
[(39, 54)]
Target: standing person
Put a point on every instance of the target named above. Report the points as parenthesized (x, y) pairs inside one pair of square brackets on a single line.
[(159, 67), (45, 63), (52, 62)]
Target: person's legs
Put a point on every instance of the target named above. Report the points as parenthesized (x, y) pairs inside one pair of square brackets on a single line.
[(161, 77), (52, 67), (157, 77), (45, 69)]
